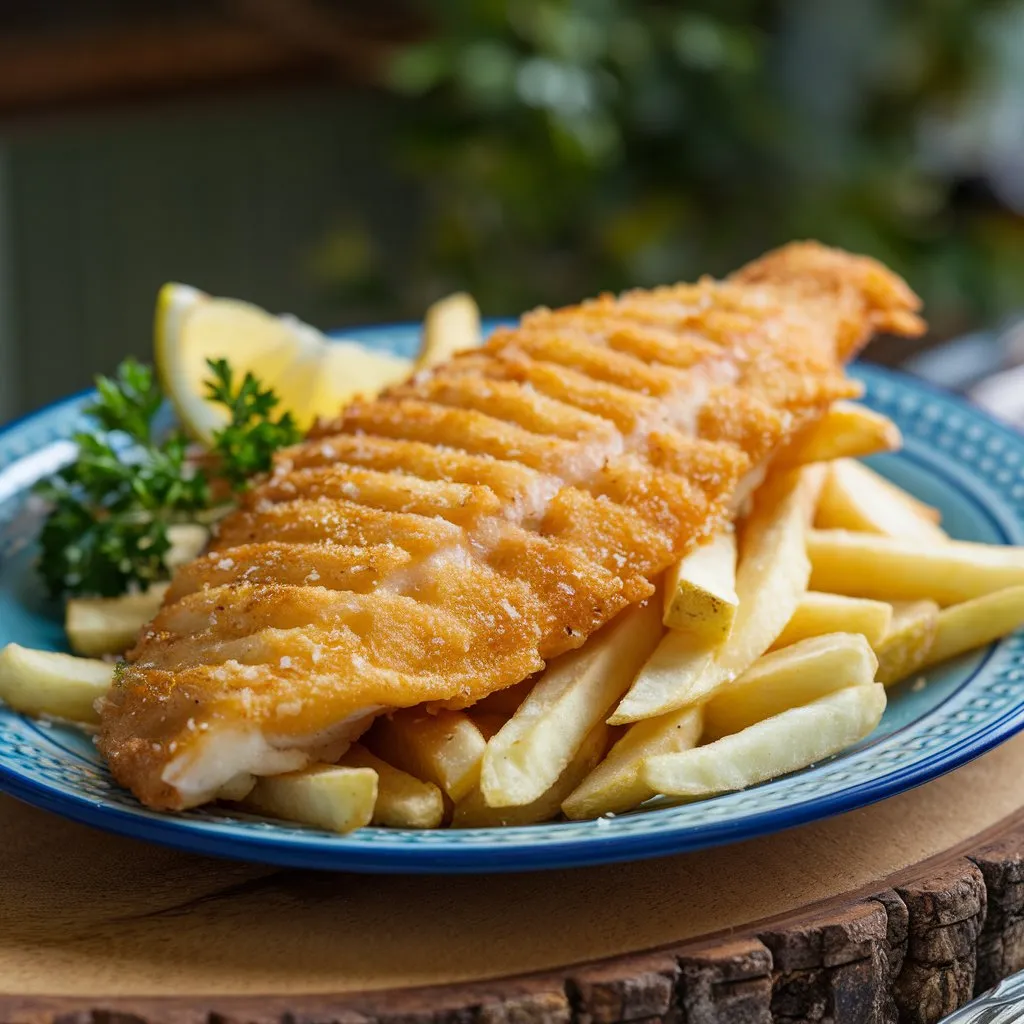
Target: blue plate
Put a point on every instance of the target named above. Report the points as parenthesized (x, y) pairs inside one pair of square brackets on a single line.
[(955, 457)]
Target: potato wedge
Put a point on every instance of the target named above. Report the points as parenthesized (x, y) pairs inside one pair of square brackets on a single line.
[(49, 683), (794, 739), (473, 811), (789, 678), (857, 498), (110, 625), (904, 649), (443, 748), (962, 627), (403, 801), (577, 690), (896, 569), (818, 614), (616, 785), (700, 590), (324, 796), (770, 580), (847, 430), (450, 325)]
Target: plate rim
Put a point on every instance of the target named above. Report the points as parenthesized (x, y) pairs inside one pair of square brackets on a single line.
[(379, 855)]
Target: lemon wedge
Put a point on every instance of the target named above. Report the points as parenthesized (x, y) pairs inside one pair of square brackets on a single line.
[(311, 374)]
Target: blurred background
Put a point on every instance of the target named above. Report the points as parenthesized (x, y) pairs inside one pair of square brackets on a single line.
[(350, 162)]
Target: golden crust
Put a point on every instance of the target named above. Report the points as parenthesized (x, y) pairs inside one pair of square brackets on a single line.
[(441, 542)]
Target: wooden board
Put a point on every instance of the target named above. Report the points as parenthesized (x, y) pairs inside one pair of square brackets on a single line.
[(902, 909)]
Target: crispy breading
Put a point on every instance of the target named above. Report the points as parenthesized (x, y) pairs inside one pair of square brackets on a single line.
[(442, 542)]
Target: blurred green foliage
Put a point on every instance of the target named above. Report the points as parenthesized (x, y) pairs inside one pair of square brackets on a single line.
[(565, 147)]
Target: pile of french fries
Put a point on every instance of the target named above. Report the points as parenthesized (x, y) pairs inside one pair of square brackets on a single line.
[(766, 650)]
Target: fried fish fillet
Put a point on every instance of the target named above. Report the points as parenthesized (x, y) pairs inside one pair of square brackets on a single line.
[(447, 539)]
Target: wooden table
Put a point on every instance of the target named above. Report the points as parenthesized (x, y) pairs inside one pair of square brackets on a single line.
[(902, 908)]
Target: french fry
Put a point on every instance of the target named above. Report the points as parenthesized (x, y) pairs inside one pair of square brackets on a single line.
[(847, 430), (770, 580), (700, 590), (962, 627), (450, 325), (794, 739), (904, 649), (679, 672), (857, 498), (110, 625), (48, 683), (444, 748), (187, 542), (818, 613), (237, 788), (403, 801), (473, 810), (575, 692), (789, 678), (324, 796), (896, 569), (616, 785)]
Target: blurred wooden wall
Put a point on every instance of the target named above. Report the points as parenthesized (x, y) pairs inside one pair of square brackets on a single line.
[(235, 196), (217, 142)]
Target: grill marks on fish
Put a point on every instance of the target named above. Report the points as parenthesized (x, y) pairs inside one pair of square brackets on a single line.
[(445, 540), (252, 625), (625, 409), (458, 503), (651, 345), (511, 481), (312, 521), (576, 352), (413, 419), (334, 566), (511, 402)]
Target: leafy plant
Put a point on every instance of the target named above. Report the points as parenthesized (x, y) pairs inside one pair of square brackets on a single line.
[(247, 444), (107, 529), (564, 147)]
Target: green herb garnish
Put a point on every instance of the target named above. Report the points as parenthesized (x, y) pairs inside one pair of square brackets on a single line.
[(247, 444), (112, 506)]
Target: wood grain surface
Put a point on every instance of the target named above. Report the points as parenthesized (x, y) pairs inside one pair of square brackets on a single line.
[(895, 912)]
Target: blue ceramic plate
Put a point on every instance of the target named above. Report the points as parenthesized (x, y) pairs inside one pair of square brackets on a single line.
[(955, 458)]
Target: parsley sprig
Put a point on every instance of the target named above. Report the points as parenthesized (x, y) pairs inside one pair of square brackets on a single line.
[(247, 444), (113, 506)]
